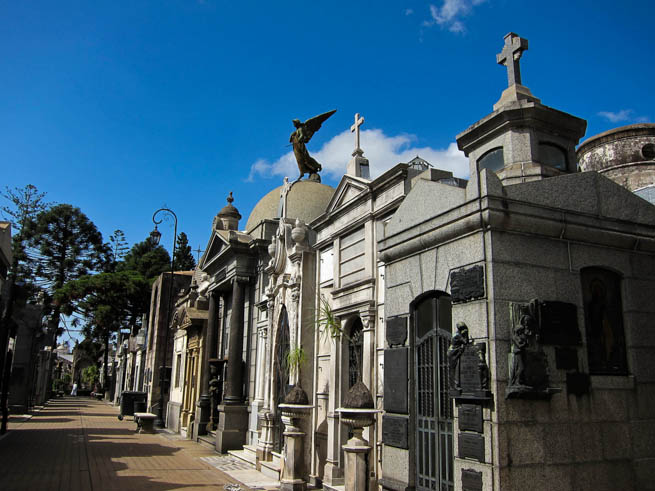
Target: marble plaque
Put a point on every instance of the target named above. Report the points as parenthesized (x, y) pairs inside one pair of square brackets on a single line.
[(566, 358), (559, 324), (467, 284), (394, 431), (396, 331), (471, 480), (471, 446), (395, 380), (470, 417)]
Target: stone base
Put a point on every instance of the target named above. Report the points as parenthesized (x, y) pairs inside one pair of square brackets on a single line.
[(293, 485), (332, 474), (202, 416), (232, 427)]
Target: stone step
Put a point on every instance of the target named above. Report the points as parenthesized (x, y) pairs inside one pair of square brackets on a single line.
[(243, 456), (251, 451), (327, 487), (208, 441), (277, 458), (270, 469)]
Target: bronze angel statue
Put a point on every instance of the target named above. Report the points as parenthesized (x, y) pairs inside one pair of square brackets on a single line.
[(302, 135)]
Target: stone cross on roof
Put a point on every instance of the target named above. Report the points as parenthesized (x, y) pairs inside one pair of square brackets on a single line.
[(355, 128), (510, 56)]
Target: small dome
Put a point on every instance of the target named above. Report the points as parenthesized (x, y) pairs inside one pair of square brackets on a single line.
[(306, 201), (229, 210)]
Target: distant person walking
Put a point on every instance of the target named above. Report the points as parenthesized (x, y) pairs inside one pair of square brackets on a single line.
[(74, 391)]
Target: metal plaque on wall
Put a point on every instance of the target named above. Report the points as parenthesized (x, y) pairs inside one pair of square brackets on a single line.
[(470, 417), (467, 284), (396, 331), (395, 380), (471, 480), (394, 431), (471, 446)]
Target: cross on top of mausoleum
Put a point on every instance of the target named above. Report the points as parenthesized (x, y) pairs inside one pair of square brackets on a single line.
[(510, 56)]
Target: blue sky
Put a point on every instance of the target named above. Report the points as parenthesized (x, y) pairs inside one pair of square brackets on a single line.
[(123, 107)]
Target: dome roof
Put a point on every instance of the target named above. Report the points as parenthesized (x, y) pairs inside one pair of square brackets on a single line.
[(307, 200), (229, 210)]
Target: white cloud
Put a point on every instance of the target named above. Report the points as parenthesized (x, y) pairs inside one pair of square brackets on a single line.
[(382, 151), (622, 116), (409, 11), (449, 15)]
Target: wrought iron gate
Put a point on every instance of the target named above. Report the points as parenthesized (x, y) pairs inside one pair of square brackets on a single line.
[(434, 409)]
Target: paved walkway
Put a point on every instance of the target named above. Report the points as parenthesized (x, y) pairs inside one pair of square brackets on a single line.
[(78, 443)]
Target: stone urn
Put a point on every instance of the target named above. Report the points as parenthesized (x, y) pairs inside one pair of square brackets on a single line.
[(298, 233), (294, 409), (272, 248), (358, 413)]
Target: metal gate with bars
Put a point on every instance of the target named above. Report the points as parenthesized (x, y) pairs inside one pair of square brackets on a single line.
[(434, 409)]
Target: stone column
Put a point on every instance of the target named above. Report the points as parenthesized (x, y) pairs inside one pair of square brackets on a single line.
[(233, 414), (368, 359), (266, 419), (234, 378), (203, 406)]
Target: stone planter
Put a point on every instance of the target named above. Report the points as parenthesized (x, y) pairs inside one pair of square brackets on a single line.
[(357, 448), (293, 472)]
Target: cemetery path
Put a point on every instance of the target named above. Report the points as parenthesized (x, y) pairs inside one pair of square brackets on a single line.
[(77, 443)]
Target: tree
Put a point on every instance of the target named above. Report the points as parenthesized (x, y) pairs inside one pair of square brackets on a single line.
[(107, 301), (26, 203), (146, 258), (118, 246), (67, 246), (183, 257)]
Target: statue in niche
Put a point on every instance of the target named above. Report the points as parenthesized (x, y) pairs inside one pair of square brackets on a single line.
[(528, 365), (468, 372), (300, 137), (214, 394)]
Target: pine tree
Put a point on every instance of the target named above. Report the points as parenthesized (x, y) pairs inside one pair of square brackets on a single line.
[(118, 246), (183, 257), (147, 258), (26, 203)]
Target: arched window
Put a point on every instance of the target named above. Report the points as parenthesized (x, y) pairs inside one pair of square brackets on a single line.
[(493, 160), (434, 408), (601, 290), (355, 353), (551, 154)]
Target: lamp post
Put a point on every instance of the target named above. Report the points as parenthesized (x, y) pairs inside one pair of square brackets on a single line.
[(155, 235)]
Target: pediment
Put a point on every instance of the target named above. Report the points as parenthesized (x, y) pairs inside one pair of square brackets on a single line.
[(348, 189), (215, 246)]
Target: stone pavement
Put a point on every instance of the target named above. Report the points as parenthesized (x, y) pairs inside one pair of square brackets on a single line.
[(77, 443)]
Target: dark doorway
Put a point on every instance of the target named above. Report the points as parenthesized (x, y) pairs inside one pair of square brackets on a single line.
[(281, 377), (434, 409)]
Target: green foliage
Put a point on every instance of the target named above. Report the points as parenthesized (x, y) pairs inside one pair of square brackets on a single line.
[(68, 246), (146, 258), (327, 323), (183, 257), (90, 375), (25, 204), (295, 358), (118, 246)]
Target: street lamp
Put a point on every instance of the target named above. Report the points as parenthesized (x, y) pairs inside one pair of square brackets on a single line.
[(155, 235)]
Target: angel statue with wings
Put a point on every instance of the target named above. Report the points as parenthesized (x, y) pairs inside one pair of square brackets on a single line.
[(302, 135)]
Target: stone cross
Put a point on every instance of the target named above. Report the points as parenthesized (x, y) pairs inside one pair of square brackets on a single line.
[(355, 129), (510, 56)]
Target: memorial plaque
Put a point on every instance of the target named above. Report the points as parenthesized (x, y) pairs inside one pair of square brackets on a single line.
[(396, 331), (471, 480), (394, 431), (467, 284), (577, 383), (469, 371), (566, 358), (559, 324), (395, 380), (471, 446), (470, 417)]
